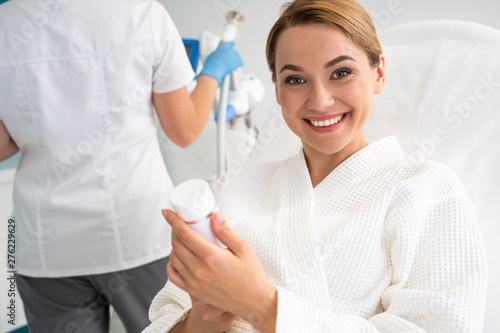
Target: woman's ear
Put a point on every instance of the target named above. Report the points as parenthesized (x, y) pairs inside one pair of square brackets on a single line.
[(380, 76)]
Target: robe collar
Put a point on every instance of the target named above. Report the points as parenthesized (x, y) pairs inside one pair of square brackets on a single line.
[(357, 165), (306, 275)]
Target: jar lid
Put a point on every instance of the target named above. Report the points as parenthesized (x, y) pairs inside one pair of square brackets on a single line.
[(193, 200)]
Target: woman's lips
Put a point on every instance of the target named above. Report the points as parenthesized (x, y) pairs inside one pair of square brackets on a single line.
[(326, 123)]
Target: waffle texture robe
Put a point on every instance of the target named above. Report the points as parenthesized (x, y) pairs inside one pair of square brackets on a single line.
[(383, 244)]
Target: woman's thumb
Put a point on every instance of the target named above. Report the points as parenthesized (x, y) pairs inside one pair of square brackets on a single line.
[(224, 233)]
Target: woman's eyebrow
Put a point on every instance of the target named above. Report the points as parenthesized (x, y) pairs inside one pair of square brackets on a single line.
[(329, 64), (338, 59), (291, 67)]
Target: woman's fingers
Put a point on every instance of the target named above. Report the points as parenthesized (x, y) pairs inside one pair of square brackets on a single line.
[(222, 319), (193, 240), (227, 236), (173, 274)]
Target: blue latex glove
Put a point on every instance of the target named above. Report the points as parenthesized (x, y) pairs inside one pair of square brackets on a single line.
[(230, 112), (221, 62)]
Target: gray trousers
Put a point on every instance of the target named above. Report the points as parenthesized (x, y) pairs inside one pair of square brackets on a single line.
[(81, 304)]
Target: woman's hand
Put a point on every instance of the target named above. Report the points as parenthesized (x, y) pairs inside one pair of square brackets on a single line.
[(231, 280), (205, 318), (210, 318)]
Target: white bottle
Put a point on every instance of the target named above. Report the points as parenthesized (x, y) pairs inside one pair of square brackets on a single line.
[(194, 202)]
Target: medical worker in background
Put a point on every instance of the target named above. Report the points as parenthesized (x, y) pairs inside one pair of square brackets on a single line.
[(79, 80)]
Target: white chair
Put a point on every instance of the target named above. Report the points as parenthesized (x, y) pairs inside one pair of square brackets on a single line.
[(442, 101)]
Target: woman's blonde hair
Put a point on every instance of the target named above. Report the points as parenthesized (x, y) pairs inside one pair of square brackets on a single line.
[(348, 15)]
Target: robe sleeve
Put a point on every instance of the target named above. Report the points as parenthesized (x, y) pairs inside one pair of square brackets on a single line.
[(169, 307), (172, 305), (439, 268)]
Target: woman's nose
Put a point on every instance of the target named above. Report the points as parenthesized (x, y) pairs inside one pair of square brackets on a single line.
[(320, 98)]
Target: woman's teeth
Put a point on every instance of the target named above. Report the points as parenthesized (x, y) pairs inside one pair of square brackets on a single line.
[(324, 123)]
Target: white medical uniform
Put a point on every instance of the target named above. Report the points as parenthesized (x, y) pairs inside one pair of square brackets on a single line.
[(76, 97), (382, 244)]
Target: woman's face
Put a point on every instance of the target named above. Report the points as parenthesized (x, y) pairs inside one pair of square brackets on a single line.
[(324, 85)]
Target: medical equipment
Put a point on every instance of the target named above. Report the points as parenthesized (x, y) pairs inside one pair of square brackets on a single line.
[(194, 202), (238, 94), (230, 133), (234, 19), (193, 52)]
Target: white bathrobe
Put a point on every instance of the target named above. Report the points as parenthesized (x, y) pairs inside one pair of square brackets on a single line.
[(382, 244)]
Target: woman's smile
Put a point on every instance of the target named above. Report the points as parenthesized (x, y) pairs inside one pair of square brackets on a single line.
[(325, 124)]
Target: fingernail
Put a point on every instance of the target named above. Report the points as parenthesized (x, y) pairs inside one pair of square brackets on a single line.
[(218, 218)]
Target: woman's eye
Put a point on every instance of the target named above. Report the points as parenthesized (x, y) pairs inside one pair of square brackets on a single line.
[(340, 74), (294, 81)]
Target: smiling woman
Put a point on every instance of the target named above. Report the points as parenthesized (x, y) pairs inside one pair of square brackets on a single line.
[(326, 97), (346, 236)]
